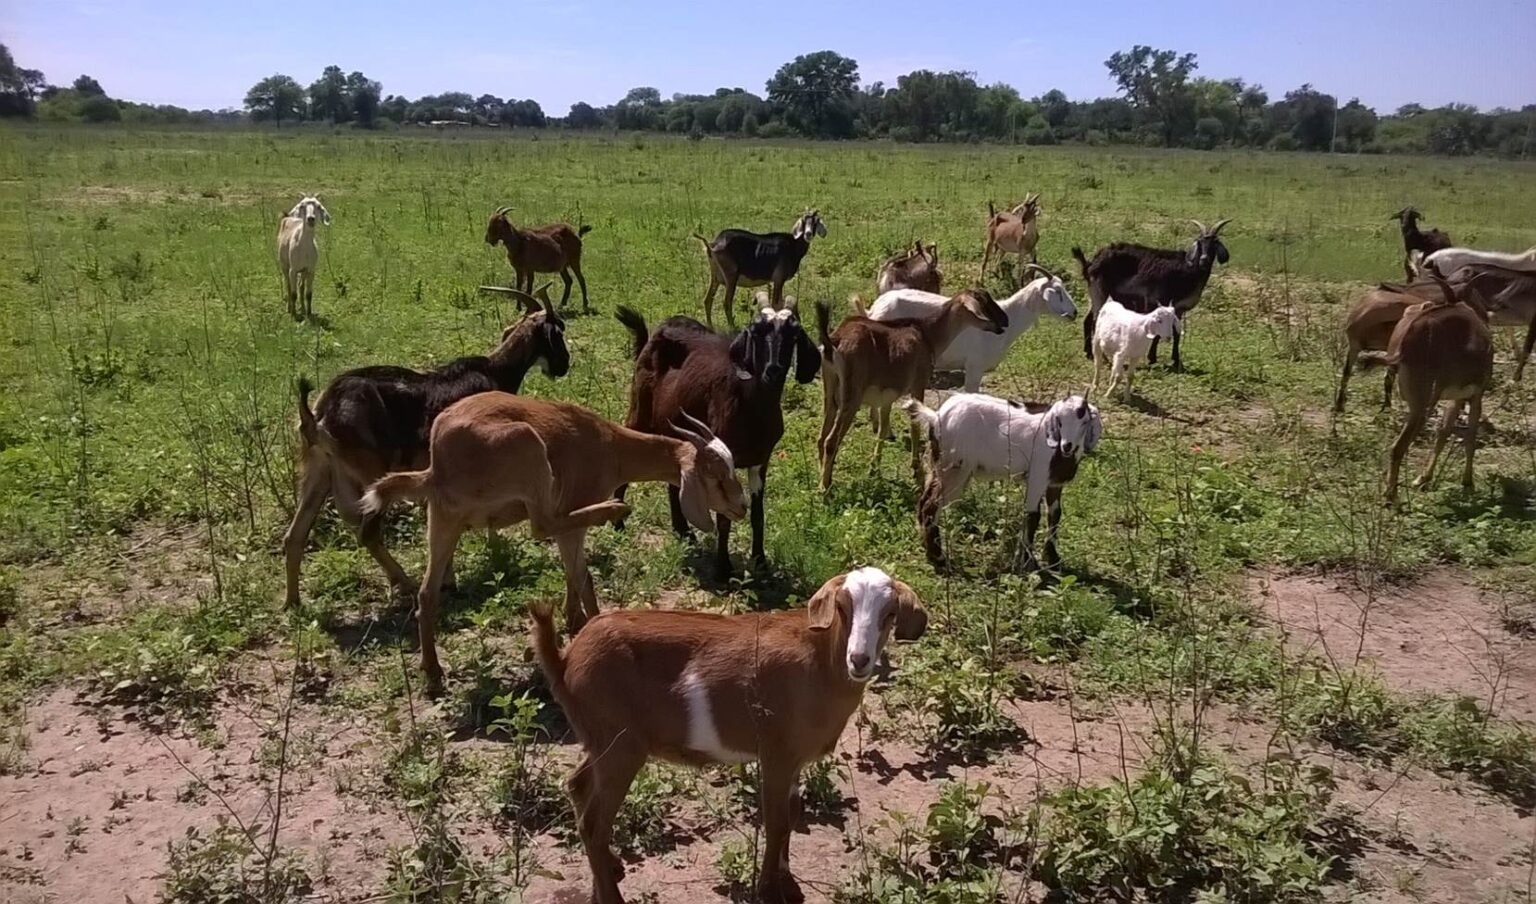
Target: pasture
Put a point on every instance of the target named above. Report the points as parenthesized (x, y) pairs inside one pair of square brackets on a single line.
[(1252, 681)]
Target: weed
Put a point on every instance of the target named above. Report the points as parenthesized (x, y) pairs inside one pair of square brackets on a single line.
[(224, 866)]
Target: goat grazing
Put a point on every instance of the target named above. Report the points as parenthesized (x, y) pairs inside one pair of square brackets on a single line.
[(915, 269), (873, 363), (1510, 297), (697, 688), (555, 248), (981, 436), (1447, 261), (1124, 338), (497, 459), (298, 253), (738, 257), (975, 352), (374, 420), (733, 385), (1417, 242), (1442, 350), (1014, 231), (1143, 278)]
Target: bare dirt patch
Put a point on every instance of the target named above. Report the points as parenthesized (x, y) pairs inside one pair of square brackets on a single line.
[(1439, 633)]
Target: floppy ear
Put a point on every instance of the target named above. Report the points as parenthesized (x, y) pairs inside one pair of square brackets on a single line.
[(807, 357), (741, 351), (1221, 253), (691, 499), (933, 253), (325, 215), (821, 228), (1095, 431), (911, 617), (1053, 431), (821, 611), (799, 229)]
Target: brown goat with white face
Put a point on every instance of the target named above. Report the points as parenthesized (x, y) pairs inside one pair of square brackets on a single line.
[(555, 248), (914, 269), (696, 688), (873, 363), (498, 459), (1014, 231)]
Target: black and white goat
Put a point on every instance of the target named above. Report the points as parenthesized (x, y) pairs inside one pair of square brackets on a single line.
[(741, 258)]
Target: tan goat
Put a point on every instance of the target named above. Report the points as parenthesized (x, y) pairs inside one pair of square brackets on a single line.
[(914, 269), (1442, 350), (498, 459), (1369, 326), (697, 688), (555, 248), (873, 363), (1014, 231)]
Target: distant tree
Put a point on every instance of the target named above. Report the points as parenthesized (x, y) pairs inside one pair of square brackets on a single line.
[(1055, 107), (328, 96), (995, 114), (639, 109), (1156, 82), (99, 108), (816, 92), (1357, 126), (394, 108), (18, 87), (276, 97), (525, 113), (1309, 114), (363, 98), (85, 85), (488, 107), (583, 116)]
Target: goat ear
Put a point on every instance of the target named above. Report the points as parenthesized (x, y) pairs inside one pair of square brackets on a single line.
[(821, 611), (325, 215), (1095, 431), (1053, 431), (807, 357), (799, 229), (911, 617), (690, 498), (741, 350)]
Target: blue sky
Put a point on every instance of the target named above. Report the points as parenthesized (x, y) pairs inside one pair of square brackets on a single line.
[(206, 54)]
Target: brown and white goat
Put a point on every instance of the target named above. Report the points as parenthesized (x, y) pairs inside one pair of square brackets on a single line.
[(498, 459), (697, 688), (370, 421), (914, 269), (1014, 231), (555, 248), (873, 363), (1442, 350)]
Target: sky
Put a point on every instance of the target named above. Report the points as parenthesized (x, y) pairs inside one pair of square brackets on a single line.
[(207, 53)]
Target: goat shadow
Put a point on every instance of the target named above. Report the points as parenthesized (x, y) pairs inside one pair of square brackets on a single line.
[(316, 320)]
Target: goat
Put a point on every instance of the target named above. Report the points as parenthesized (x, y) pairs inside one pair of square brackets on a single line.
[(1014, 231), (872, 363), (915, 269), (298, 253), (1510, 297), (1142, 278), (485, 470), (1124, 338), (1417, 242), (981, 436), (555, 248), (1447, 261), (374, 420), (738, 257), (697, 688), (733, 385), (979, 353), (1369, 325), (1442, 349)]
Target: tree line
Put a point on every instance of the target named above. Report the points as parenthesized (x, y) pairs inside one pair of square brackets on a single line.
[(1160, 101)]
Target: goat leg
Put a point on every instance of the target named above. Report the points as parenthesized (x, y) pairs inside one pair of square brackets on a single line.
[(1530, 342), (722, 548), (679, 522), (1474, 420), (565, 276), (1026, 560), (618, 496), (1152, 352), (757, 476), (1349, 368), (1052, 523), (1088, 322), (586, 307), (775, 884)]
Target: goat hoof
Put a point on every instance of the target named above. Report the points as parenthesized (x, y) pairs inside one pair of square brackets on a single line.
[(782, 890)]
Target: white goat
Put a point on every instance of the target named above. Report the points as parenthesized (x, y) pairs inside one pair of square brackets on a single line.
[(977, 352), (298, 253), (1123, 337), (1448, 260), (980, 436)]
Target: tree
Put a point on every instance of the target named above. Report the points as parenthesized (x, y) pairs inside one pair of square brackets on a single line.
[(526, 113), (816, 92), (1357, 125), (85, 85), (1156, 82), (328, 96), (640, 109), (363, 98), (583, 116), (276, 97), (1309, 116), (99, 108), (1055, 107), (394, 108), (18, 87)]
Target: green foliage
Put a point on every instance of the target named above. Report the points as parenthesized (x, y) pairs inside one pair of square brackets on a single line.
[(224, 866), (643, 825), (959, 697)]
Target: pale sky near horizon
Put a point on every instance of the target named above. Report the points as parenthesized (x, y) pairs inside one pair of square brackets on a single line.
[(207, 54)]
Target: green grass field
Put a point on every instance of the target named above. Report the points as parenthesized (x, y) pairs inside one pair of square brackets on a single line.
[(147, 461)]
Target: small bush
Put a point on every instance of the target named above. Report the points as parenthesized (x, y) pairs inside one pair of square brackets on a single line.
[(225, 867)]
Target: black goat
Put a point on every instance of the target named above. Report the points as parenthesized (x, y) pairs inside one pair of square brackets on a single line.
[(738, 257), (1415, 240), (1142, 278), (732, 385), (376, 420)]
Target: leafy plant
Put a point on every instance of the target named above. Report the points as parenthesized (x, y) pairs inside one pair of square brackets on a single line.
[(223, 866)]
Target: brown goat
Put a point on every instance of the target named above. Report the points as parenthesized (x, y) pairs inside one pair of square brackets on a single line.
[(697, 688), (1442, 350), (555, 248), (1014, 231), (498, 459), (914, 269), (873, 363), (1369, 326), (1510, 297)]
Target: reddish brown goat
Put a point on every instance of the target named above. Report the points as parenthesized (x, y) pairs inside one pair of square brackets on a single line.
[(555, 248), (914, 269), (697, 688)]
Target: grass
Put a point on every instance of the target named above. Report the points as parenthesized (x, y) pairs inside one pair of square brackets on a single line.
[(150, 364)]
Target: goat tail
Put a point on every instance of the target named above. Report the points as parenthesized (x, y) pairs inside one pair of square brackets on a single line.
[(583, 231), (546, 646), (635, 323), (1082, 259), (991, 211), (823, 328), (702, 240), (308, 428), (1373, 358), (391, 488), (920, 413)]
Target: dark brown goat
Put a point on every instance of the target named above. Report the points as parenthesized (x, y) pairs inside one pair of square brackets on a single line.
[(555, 248), (734, 386), (914, 269), (1141, 278), (374, 420), (1416, 241)]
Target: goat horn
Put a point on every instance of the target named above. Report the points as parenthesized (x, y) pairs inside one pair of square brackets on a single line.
[(1082, 410), (699, 425), (1199, 225), (528, 301), (1216, 230)]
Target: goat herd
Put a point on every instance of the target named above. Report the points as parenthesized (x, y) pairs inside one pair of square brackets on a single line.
[(670, 684)]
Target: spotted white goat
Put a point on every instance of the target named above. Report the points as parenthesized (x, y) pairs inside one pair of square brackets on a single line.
[(973, 435), (298, 253), (1124, 337), (975, 351)]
